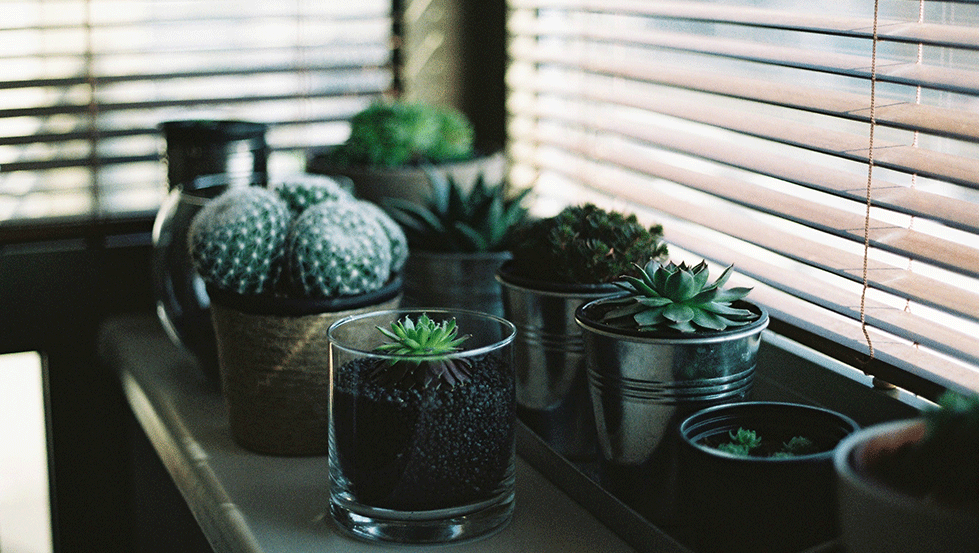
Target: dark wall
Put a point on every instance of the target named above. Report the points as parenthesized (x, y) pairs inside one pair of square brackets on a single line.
[(53, 296)]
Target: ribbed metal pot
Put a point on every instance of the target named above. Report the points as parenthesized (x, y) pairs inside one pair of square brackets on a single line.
[(549, 356), (454, 280), (642, 384)]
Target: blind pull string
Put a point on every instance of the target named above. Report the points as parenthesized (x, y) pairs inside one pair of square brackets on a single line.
[(870, 179)]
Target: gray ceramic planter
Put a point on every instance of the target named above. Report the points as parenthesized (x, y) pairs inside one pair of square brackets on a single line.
[(875, 518)]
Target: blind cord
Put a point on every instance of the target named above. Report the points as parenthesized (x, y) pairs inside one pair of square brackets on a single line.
[(870, 179)]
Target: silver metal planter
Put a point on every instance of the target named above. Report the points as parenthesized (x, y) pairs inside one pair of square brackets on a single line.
[(549, 356), (454, 280), (642, 385)]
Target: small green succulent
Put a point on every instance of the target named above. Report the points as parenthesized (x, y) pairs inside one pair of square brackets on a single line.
[(453, 221), (742, 442), (677, 297), (422, 349), (747, 443)]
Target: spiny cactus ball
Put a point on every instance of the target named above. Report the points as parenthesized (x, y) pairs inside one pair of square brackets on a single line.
[(237, 240), (304, 190), (337, 248), (399, 241)]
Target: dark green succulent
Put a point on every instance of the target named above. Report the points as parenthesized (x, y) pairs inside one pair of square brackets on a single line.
[(741, 442), (422, 351), (482, 220), (677, 297), (585, 245), (395, 133)]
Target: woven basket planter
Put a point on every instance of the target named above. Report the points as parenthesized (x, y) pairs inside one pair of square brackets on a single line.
[(274, 361)]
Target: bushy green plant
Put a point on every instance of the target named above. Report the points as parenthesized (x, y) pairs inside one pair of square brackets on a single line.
[(944, 466), (395, 133), (482, 220), (237, 240), (422, 349), (288, 241), (585, 245), (677, 297)]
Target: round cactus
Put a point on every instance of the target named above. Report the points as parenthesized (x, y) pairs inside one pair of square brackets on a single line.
[(237, 239), (399, 241), (304, 190), (338, 248)]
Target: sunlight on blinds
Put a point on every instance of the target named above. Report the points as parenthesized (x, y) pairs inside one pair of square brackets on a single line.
[(743, 128), (85, 84)]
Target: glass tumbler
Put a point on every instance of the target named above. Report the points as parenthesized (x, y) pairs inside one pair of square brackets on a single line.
[(412, 462)]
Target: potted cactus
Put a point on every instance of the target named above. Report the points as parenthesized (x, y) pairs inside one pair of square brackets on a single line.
[(758, 476), (559, 263), (281, 264), (392, 141), (672, 343), (457, 242), (422, 435), (913, 485)]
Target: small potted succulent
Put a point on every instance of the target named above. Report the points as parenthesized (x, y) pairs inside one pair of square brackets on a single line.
[(392, 141), (457, 241), (913, 485), (559, 263), (422, 431), (758, 476), (280, 265), (672, 343)]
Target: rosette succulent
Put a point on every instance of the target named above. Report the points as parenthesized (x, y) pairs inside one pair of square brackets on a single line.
[(422, 348), (677, 297)]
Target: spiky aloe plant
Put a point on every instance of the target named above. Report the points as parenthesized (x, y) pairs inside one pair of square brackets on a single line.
[(422, 348), (678, 297), (482, 220)]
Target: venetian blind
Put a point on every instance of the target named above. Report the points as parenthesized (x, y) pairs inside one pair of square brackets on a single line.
[(84, 85), (744, 127)]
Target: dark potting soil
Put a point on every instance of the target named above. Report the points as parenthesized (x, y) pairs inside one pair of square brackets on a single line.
[(424, 449)]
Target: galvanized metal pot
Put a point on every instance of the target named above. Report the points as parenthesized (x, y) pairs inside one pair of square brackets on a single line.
[(549, 352), (454, 280), (643, 384)]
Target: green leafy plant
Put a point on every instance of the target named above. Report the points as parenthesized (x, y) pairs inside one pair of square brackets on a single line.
[(944, 465), (396, 133), (677, 297), (585, 245), (482, 220), (747, 443), (422, 349)]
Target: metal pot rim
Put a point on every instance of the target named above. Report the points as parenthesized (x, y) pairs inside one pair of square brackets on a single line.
[(592, 325)]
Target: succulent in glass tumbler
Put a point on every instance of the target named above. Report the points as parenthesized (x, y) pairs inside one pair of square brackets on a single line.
[(422, 348), (585, 245), (338, 248), (304, 190), (237, 240), (677, 297), (482, 220)]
